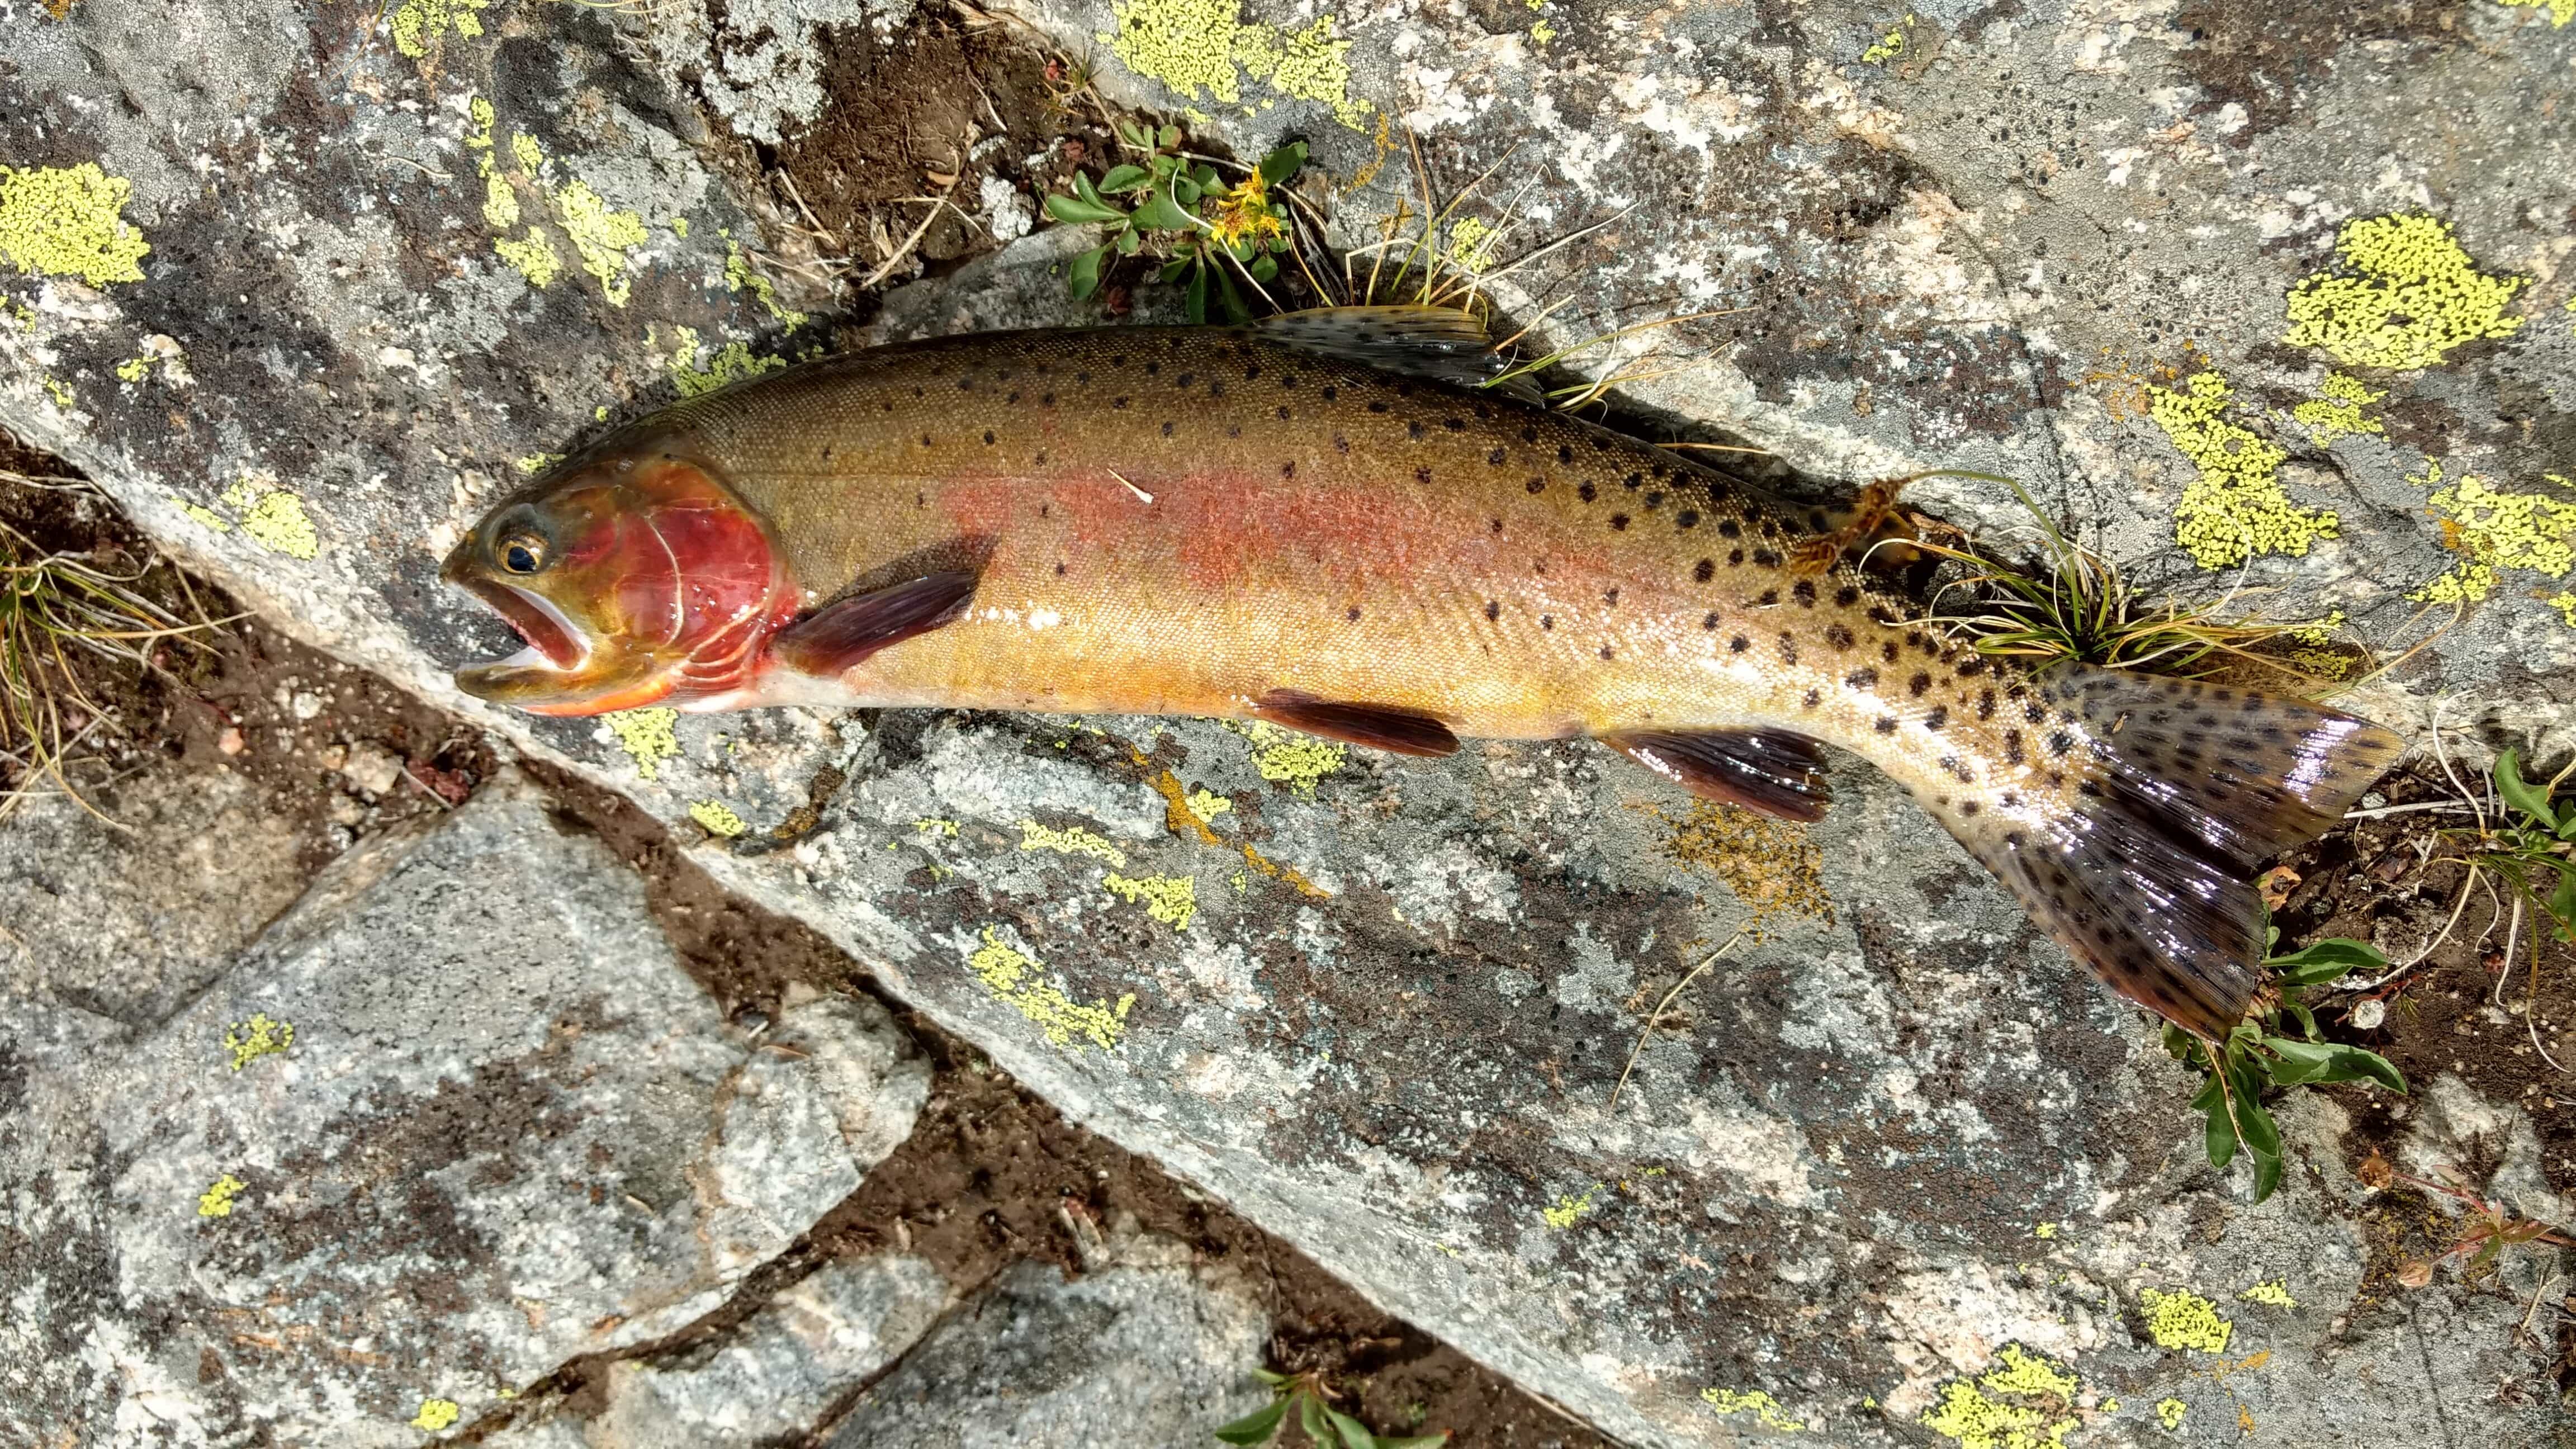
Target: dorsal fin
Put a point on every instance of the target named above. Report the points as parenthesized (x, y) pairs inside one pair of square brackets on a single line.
[(1442, 344)]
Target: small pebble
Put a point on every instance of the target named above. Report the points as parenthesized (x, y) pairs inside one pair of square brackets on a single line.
[(372, 768), (2369, 1014), (231, 741)]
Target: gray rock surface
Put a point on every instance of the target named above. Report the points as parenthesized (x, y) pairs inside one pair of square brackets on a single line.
[(456, 1117), (1996, 239)]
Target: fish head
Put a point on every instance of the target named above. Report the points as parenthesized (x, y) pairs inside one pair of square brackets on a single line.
[(635, 578)]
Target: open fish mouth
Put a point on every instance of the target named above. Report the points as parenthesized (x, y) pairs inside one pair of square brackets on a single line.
[(552, 639)]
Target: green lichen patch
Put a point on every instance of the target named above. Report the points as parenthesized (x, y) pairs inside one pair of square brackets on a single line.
[(2492, 529), (2021, 1403), (1207, 804), (259, 1035), (648, 736), (2405, 297), (717, 818), (436, 1414), (69, 221), (2336, 411), (2184, 1321), (273, 518), (1569, 1208), (2560, 12), (1757, 1402), (1890, 46), (1012, 976), (1196, 46), (2274, 1292), (420, 27), (1071, 840), (2169, 1413), (2235, 508), (1283, 757), (602, 236), (741, 275), (695, 371), (1170, 899), (218, 1199)]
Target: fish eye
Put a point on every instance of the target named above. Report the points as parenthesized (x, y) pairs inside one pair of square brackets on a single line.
[(521, 553)]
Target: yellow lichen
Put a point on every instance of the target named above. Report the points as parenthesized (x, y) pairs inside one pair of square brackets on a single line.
[(1294, 760), (2235, 509), (69, 221), (1198, 45), (2275, 1292), (1172, 900), (1770, 865), (204, 516), (740, 274), (2185, 1321), (2560, 12), (718, 818), (1889, 46), (1011, 976), (2565, 604), (2043, 1230), (536, 463), (936, 825), (217, 1201), (2169, 1413), (1569, 1208), (274, 518), (533, 257), (258, 1036), (2409, 295), (724, 367), (420, 24), (647, 736), (601, 236), (436, 1414), (2491, 529), (1471, 243), (1072, 840), (1207, 804), (1758, 1403), (1542, 32), (2337, 410), (2022, 1404)]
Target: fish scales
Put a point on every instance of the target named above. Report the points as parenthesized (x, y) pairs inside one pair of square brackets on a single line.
[(1218, 522)]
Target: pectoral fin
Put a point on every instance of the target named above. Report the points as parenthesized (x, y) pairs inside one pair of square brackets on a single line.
[(844, 633), (1771, 771), (1397, 731)]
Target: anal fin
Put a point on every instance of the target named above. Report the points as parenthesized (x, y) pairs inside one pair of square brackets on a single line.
[(1397, 731), (1773, 771), (845, 632)]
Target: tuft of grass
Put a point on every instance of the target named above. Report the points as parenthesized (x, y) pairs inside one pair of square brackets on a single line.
[(2278, 1046), (1311, 1399), (61, 616)]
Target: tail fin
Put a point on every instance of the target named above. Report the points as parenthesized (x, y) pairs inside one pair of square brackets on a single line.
[(2193, 786)]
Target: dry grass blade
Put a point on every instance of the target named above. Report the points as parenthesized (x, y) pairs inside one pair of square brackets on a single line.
[(1655, 1018)]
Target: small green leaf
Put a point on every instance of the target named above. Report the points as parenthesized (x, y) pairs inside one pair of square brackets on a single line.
[(1310, 1417), (2521, 794), (2562, 901), (1353, 1432), (1082, 187), (1281, 164), (1274, 1380), (2307, 1020), (2328, 960), (2219, 1136), (1079, 212), (1196, 296), (1205, 175), (2207, 1096), (1164, 166), (1086, 272), (1160, 214), (2267, 1176), (1169, 137), (1230, 298), (1172, 270), (1263, 267), (2256, 1128), (1124, 178), (1135, 135), (1127, 241), (1187, 192), (2178, 1043), (2360, 1064), (2294, 1062), (1257, 1426)]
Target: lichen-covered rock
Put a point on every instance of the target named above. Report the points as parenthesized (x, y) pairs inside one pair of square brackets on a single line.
[(455, 1118), (2144, 257)]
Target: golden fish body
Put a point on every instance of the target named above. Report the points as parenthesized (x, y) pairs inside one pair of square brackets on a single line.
[(1222, 522)]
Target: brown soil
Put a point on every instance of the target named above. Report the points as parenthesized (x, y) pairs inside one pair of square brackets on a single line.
[(991, 1176)]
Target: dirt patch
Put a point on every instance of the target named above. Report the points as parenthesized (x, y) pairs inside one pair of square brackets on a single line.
[(2263, 56), (991, 1176)]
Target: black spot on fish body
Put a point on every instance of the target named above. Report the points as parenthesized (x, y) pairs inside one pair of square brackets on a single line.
[(1495, 457), (1968, 807), (1985, 702), (1635, 480), (1537, 485), (1415, 431), (1811, 701), (988, 437), (1498, 523), (1654, 501), (1838, 636), (1939, 716), (1805, 593), (1918, 684), (1564, 453), (1288, 470), (1886, 724), (2035, 712), (1529, 435), (2012, 747), (1958, 770), (1619, 521), (1185, 379), (1279, 413), (1610, 595), (1547, 621), (1738, 644), (1862, 679), (1046, 400), (1687, 518), (1882, 614), (2060, 743), (1729, 528), (1605, 651), (1846, 596), (1455, 425), (1352, 614), (1735, 558), (1587, 492), (1788, 649), (1341, 444), (1704, 570), (1765, 558), (1167, 430), (1493, 609), (1709, 623), (1887, 651), (1971, 667), (1770, 528), (1769, 598)]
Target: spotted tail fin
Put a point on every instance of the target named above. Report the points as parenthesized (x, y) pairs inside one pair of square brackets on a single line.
[(2193, 785)]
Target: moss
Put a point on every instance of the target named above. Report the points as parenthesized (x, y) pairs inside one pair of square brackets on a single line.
[(260, 1035), (1758, 1403), (648, 736), (2492, 529), (1770, 865), (2021, 1403), (2406, 297), (1072, 840), (217, 1201), (2185, 1321), (2275, 1292), (69, 221), (717, 818), (601, 236), (436, 1414), (2235, 509), (1011, 975), (1172, 900), (2169, 1413), (1568, 1209), (2336, 412), (418, 26), (274, 519), (1297, 761), (740, 274), (1196, 46)]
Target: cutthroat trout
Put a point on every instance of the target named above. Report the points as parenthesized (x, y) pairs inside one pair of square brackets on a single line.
[(1319, 521)]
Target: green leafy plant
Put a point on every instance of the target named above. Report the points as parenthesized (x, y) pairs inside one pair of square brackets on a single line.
[(2531, 843), (1310, 1399), (1174, 206), (2279, 1045)]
